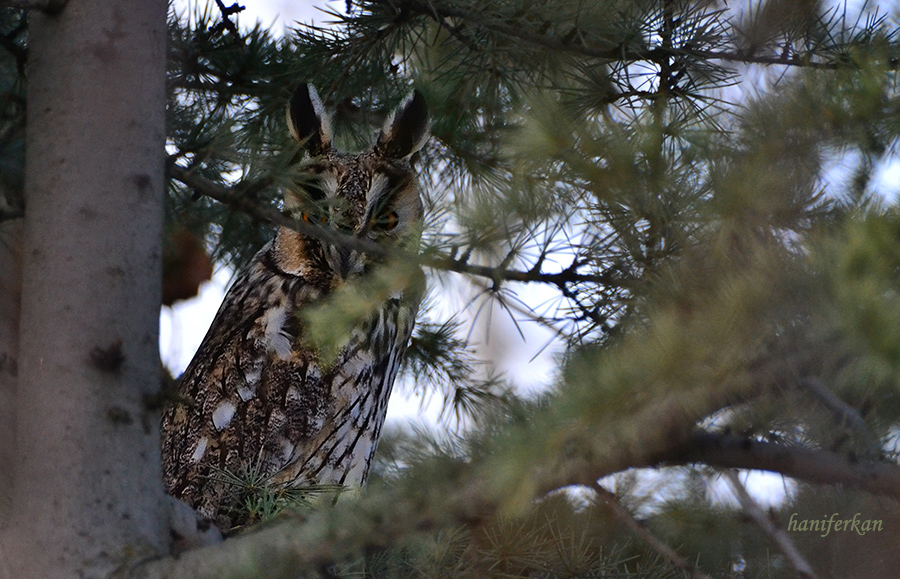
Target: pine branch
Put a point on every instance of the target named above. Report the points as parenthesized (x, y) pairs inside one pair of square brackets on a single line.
[(321, 539), (440, 12), (380, 520), (777, 534), (665, 551), (663, 433), (240, 198), (806, 464)]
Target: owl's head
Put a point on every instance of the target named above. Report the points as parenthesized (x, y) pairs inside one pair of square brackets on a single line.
[(371, 195)]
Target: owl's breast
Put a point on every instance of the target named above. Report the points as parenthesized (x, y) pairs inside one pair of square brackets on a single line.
[(340, 409)]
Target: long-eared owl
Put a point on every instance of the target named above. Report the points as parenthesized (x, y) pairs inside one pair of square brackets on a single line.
[(257, 397)]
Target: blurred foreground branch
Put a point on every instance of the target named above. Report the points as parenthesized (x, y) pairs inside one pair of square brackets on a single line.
[(241, 199), (657, 435), (806, 464)]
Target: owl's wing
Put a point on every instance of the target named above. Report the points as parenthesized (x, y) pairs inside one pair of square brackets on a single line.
[(224, 424), (265, 410)]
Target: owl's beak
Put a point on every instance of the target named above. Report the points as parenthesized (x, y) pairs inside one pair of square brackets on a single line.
[(343, 261), (346, 257)]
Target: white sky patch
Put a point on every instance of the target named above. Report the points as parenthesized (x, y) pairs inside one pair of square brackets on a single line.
[(768, 489), (276, 15), (652, 487), (183, 326), (886, 180)]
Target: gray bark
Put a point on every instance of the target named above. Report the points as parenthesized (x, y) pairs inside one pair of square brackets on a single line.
[(87, 495), (10, 294)]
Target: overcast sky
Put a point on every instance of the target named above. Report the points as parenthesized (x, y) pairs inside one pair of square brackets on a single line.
[(275, 14)]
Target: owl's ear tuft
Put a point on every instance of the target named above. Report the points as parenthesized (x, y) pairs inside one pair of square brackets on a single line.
[(406, 130), (308, 121)]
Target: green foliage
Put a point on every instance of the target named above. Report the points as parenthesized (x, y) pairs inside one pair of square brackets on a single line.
[(710, 269), (693, 186), (558, 539), (329, 325), (258, 500)]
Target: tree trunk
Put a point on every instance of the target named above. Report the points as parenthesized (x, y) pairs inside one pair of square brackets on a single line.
[(87, 495), (10, 294)]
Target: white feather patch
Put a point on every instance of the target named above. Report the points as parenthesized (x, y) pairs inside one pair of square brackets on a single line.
[(253, 375), (276, 339), (358, 461), (329, 184), (287, 450), (377, 188), (222, 415), (200, 450), (324, 118), (245, 393)]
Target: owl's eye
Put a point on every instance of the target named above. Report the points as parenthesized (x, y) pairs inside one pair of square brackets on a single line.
[(309, 219), (386, 221)]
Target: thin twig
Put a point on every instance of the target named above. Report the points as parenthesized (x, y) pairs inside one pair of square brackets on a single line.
[(238, 199), (778, 535), (665, 551), (226, 22), (844, 412)]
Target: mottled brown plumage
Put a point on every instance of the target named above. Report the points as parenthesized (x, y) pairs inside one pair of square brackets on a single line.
[(262, 401)]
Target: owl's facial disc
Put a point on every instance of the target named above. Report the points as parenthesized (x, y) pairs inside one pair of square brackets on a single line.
[(343, 261), (362, 195)]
